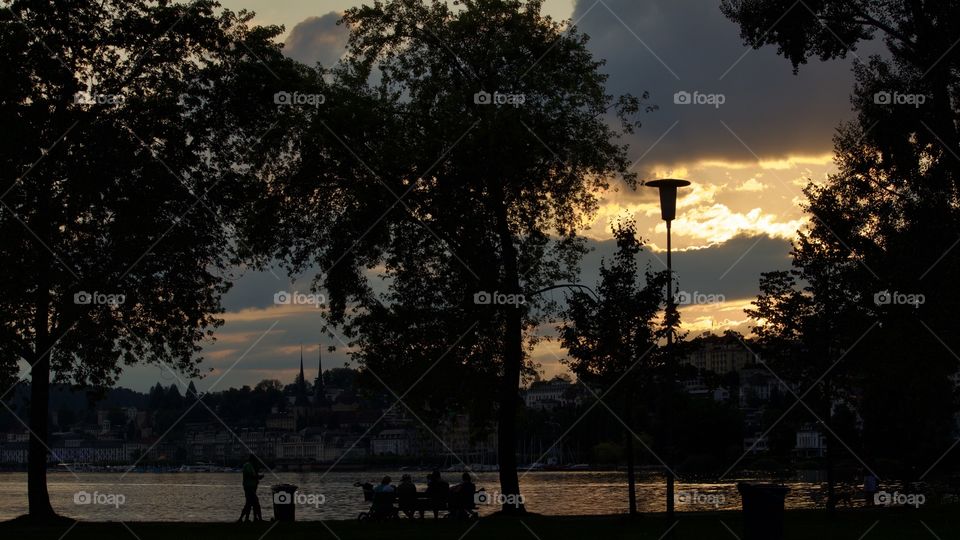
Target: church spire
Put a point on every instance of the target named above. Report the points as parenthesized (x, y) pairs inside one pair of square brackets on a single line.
[(301, 383), (302, 379)]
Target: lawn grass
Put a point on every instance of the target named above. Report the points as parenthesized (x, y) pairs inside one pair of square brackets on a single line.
[(806, 525)]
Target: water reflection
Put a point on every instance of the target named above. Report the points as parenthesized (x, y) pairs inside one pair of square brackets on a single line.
[(218, 497)]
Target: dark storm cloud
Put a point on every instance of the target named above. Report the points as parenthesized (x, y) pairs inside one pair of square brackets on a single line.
[(670, 46), (256, 289), (732, 268), (317, 39)]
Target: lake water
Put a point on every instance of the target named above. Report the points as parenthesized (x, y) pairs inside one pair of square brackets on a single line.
[(218, 496)]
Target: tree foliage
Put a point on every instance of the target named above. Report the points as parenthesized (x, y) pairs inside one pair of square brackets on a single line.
[(132, 130), (615, 335), (449, 195), (878, 252)]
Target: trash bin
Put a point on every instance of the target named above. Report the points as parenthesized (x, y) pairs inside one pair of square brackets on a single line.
[(762, 510), (284, 508)]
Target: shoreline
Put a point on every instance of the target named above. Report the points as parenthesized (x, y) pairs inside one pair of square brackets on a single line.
[(900, 523), (847, 524)]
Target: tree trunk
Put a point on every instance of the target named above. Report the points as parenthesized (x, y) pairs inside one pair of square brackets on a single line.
[(37, 496), (631, 473), (512, 362), (828, 451), (507, 416)]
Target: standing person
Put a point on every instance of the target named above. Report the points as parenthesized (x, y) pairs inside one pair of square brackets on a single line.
[(438, 491), (251, 480), (869, 488)]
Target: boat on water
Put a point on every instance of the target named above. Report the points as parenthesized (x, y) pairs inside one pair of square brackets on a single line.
[(204, 468)]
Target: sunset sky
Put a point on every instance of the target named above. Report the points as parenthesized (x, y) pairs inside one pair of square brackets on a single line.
[(748, 158)]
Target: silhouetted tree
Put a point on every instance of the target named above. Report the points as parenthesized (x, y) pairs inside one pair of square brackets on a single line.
[(501, 117), (129, 126), (268, 385), (883, 228), (192, 394), (807, 330), (340, 377), (612, 340), (478, 139)]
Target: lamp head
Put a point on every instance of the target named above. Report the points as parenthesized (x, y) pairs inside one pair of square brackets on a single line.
[(668, 195)]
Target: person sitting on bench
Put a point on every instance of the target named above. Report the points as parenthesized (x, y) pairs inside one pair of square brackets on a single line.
[(438, 491), (384, 496), (462, 505), (407, 496)]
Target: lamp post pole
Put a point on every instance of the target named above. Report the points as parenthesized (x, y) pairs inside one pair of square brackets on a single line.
[(670, 307), (668, 211), (669, 276)]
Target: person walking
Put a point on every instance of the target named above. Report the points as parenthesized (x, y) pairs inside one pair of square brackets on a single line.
[(251, 480)]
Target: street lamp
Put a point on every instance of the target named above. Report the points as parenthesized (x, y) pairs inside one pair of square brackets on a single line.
[(668, 211)]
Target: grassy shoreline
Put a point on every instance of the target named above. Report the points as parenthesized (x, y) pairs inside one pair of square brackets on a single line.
[(800, 524)]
